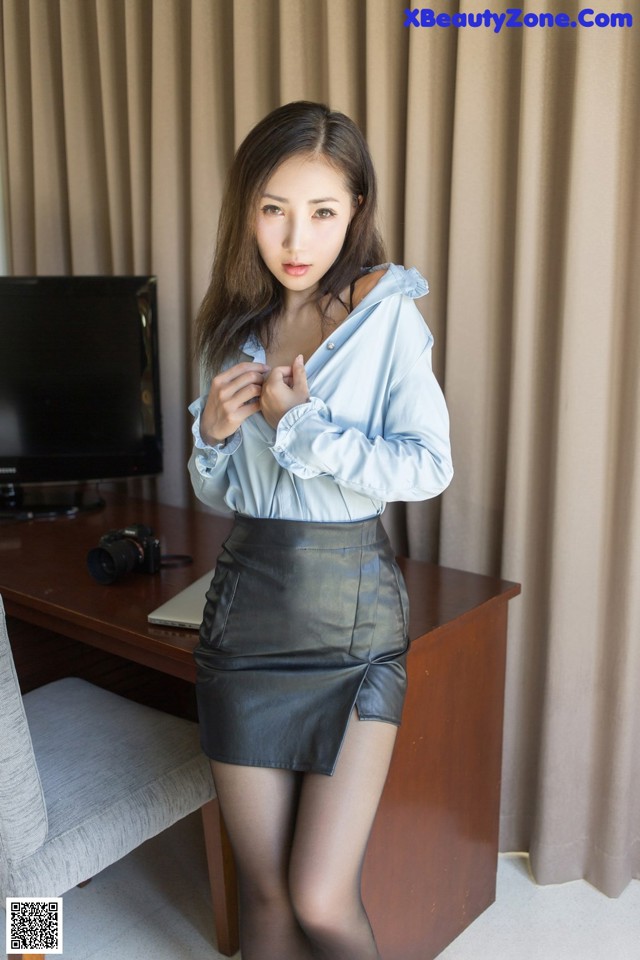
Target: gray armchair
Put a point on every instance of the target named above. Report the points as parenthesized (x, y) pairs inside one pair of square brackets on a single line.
[(87, 776)]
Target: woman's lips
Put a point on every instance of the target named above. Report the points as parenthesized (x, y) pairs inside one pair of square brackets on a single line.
[(296, 269)]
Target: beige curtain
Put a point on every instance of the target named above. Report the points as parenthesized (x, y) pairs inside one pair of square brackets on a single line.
[(509, 176), (542, 374)]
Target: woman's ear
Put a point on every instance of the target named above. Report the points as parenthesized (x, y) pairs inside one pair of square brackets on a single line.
[(357, 202)]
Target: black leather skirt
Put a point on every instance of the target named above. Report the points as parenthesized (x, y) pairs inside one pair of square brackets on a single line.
[(303, 621)]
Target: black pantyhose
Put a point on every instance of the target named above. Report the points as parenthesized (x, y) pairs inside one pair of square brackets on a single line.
[(299, 842)]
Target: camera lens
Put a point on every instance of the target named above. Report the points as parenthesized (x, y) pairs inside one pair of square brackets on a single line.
[(108, 563)]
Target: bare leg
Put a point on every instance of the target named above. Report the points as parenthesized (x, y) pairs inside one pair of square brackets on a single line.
[(335, 815), (259, 808)]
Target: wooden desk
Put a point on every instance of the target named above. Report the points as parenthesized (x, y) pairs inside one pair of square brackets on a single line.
[(431, 863)]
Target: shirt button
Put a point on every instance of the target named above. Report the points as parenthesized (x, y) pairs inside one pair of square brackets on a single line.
[(331, 345)]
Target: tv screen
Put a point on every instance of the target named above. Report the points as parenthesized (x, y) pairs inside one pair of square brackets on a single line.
[(79, 382)]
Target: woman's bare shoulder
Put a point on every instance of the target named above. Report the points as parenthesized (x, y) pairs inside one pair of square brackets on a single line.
[(364, 285)]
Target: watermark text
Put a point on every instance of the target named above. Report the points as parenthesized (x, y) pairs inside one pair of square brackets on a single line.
[(515, 18)]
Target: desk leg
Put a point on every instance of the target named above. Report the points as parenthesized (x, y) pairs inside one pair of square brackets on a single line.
[(222, 878)]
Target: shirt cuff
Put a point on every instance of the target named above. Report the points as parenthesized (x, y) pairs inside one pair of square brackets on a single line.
[(208, 456), (296, 429)]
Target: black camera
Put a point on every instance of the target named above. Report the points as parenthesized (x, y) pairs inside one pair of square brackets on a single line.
[(121, 551)]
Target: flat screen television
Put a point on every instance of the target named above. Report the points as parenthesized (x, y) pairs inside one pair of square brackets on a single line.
[(79, 381)]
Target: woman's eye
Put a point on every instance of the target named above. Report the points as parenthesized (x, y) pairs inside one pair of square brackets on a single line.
[(270, 209), (325, 213)]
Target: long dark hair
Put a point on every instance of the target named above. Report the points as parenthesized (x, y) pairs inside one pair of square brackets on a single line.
[(243, 296)]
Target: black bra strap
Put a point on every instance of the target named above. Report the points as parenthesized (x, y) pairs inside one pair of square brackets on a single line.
[(352, 287)]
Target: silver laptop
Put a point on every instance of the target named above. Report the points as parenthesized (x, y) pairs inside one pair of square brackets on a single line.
[(185, 609)]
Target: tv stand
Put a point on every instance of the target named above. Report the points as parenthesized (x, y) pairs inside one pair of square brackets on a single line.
[(18, 503)]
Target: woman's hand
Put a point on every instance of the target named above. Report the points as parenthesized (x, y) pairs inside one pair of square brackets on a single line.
[(284, 388), (234, 396)]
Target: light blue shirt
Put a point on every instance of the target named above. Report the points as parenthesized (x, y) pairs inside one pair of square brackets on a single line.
[(375, 429)]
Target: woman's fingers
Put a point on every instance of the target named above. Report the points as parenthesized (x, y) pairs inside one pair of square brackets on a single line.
[(238, 392), (299, 376), (284, 388), (232, 398), (237, 378), (238, 369)]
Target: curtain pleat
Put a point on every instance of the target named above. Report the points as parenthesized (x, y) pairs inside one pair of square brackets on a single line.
[(425, 227), (86, 161), (256, 52), (386, 114), (344, 83), (4, 179), (509, 176), (114, 82), (171, 222), (135, 58), (301, 65), (21, 106), (211, 140), (480, 292)]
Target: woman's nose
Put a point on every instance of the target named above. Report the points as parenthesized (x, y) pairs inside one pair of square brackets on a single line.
[(294, 238)]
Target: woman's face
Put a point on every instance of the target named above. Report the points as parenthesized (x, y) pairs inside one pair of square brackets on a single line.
[(302, 220)]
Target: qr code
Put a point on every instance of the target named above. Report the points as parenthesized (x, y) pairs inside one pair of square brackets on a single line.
[(34, 925)]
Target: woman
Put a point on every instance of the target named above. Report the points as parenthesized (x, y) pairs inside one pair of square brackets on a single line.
[(320, 406)]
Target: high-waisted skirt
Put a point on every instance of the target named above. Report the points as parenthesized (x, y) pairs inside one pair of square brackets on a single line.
[(303, 622)]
